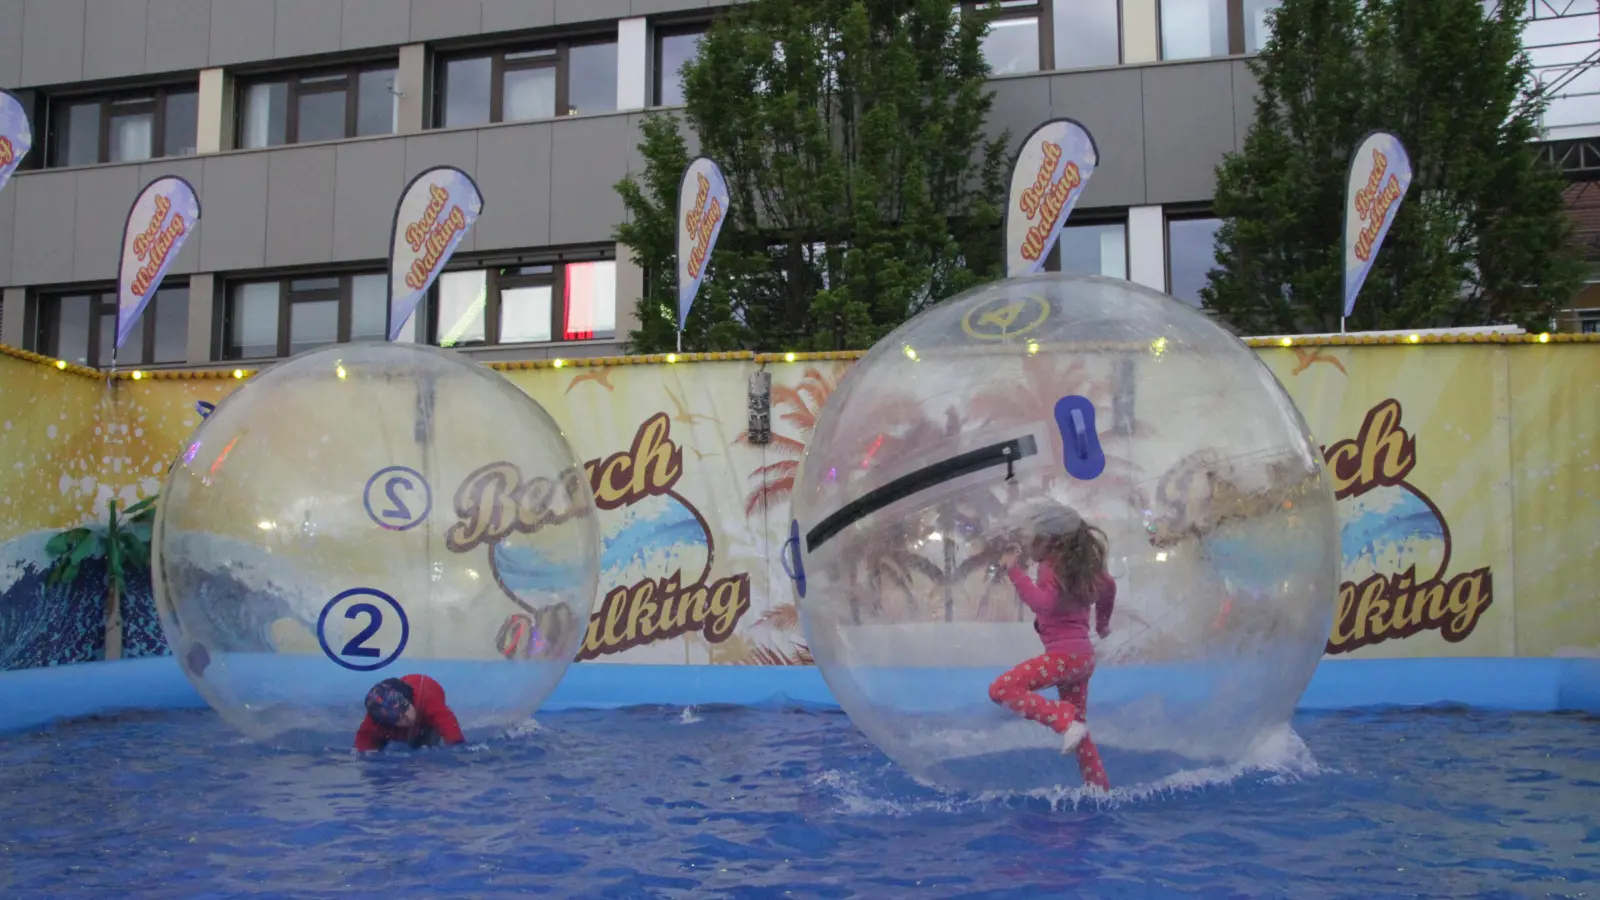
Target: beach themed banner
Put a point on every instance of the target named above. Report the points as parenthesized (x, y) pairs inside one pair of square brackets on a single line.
[(1470, 524), (702, 207), (162, 218), (1380, 173), (1050, 174), (436, 210), (16, 135)]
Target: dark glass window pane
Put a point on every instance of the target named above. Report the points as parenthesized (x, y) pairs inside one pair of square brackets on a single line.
[(1012, 45), (305, 285), (253, 321), (78, 135), (461, 305), (171, 322), (369, 307), (182, 113), (466, 92), (1089, 36), (529, 94), (1095, 250), (132, 131), (108, 331), (377, 105), (675, 50), (72, 330), (1256, 29), (1190, 244), (265, 115), (592, 78), (312, 325), (321, 116), (1194, 29)]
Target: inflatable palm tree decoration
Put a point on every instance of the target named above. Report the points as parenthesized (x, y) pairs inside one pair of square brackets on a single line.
[(123, 543)]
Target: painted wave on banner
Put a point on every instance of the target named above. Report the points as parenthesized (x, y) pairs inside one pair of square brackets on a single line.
[(16, 136), (435, 212), (1380, 173), (161, 220), (1050, 174), (702, 208)]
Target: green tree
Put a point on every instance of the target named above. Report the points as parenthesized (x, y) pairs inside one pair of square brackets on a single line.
[(1481, 238), (851, 134)]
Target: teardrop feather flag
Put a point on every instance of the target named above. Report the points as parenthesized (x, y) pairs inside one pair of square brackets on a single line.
[(436, 210), (161, 220), (1380, 173), (1050, 174)]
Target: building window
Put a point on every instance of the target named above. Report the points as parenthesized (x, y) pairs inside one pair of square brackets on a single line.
[(80, 327), (1191, 255), (674, 48), (1196, 29), (567, 78), (1095, 248), (1588, 321), (524, 304), (1015, 42), (326, 105), (1090, 36), (125, 127), (283, 317)]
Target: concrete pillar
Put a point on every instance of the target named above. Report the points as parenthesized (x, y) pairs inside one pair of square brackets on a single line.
[(203, 290), (1141, 31), (1147, 247), (411, 80), (633, 64), (14, 317), (630, 287), (215, 120)]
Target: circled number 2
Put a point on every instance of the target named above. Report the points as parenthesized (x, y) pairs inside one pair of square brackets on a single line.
[(398, 498), (380, 625)]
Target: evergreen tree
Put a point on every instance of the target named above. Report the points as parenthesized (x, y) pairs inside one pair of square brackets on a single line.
[(1482, 237), (851, 134)]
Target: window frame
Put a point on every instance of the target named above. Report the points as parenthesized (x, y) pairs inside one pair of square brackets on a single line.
[(287, 297), (45, 327), (1183, 215), (291, 79), (1042, 11), (1235, 18), (560, 59), (58, 134), (495, 284), (1092, 218), (659, 34)]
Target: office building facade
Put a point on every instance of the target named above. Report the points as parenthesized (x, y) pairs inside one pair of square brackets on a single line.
[(299, 122)]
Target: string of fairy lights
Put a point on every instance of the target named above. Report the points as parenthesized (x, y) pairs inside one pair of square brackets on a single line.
[(653, 359)]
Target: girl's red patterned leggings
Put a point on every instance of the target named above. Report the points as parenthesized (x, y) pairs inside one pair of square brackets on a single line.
[(1018, 691)]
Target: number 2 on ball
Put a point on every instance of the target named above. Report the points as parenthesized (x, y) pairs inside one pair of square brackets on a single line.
[(374, 622)]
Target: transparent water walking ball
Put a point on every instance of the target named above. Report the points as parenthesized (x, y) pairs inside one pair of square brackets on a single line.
[(940, 448), (369, 511)]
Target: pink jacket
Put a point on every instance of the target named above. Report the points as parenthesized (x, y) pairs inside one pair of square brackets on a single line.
[(1064, 628)]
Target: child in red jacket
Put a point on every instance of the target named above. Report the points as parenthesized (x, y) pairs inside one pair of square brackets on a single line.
[(411, 710)]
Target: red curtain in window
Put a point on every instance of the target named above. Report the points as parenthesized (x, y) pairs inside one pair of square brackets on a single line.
[(578, 300)]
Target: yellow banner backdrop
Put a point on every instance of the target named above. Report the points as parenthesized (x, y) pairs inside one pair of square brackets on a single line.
[(1468, 478)]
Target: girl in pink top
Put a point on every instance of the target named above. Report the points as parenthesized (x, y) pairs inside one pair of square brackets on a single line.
[(1073, 583)]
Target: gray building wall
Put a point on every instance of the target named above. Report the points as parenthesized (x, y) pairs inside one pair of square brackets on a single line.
[(1161, 128)]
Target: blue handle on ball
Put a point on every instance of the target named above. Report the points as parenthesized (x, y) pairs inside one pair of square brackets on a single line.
[(792, 563), (1080, 442)]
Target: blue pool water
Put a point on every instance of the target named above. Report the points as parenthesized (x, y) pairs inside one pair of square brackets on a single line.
[(746, 803)]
